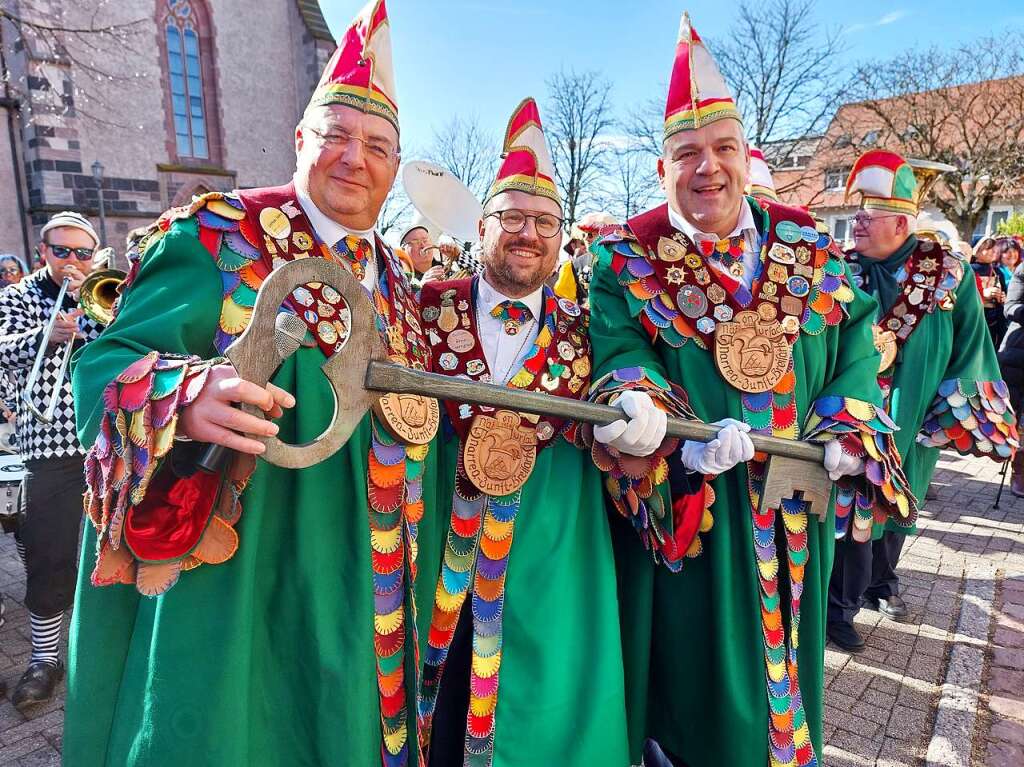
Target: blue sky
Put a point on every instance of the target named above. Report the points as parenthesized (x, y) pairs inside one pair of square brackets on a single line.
[(474, 57)]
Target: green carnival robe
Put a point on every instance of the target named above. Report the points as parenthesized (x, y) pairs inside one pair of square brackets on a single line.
[(560, 698), (948, 353), (266, 660), (695, 652)]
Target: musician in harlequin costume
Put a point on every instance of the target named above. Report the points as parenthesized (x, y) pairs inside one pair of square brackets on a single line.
[(257, 616), (522, 656), (938, 373), (742, 303)]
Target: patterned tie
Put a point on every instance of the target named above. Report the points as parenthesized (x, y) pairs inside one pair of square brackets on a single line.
[(512, 314), (727, 254), (354, 251)]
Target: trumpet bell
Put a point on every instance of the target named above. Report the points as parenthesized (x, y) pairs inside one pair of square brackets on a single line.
[(99, 293)]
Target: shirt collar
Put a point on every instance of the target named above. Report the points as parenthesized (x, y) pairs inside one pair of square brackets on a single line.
[(327, 229), (744, 225), (488, 298)]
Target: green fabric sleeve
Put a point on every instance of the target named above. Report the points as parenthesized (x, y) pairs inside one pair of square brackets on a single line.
[(974, 356), (172, 307), (617, 338)]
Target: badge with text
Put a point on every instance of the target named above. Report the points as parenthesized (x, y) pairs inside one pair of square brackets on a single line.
[(500, 452), (752, 354), (409, 417)]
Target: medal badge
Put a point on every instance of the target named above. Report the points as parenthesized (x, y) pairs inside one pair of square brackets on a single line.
[(499, 452), (409, 417), (751, 354), (885, 343)]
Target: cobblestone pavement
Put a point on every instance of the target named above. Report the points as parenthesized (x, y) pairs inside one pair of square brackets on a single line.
[(944, 688)]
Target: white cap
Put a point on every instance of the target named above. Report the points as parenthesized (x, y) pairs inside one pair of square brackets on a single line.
[(71, 220), (419, 221)]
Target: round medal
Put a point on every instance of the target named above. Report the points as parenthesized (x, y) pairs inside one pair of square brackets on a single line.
[(752, 355), (303, 296), (431, 313), (809, 234), (302, 241), (499, 453), (330, 294), (275, 223), (787, 231), (460, 341), (448, 361), (568, 307), (691, 301), (327, 332), (409, 417), (475, 367), (798, 286)]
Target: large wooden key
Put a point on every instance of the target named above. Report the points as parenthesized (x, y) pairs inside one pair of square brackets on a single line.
[(359, 374)]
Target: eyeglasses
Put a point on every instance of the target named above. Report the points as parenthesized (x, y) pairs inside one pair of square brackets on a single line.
[(865, 219), (61, 252), (339, 139), (10, 270), (514, 221)]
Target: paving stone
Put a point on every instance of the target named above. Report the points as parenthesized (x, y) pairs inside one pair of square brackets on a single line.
[(1011, 732), (1004, 755), (1007, 681), (1014, 709)]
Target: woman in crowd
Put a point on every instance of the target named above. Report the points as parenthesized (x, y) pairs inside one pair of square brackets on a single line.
[(11, 269), (993, 281)]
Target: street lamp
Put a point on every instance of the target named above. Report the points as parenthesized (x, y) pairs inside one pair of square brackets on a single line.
[(97, 173)]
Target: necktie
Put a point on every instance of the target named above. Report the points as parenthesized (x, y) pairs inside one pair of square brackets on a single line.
[(728, 253), (512, 314), (354, 251)]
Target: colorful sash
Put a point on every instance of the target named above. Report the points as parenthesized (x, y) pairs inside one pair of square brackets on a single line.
[(480, 532)]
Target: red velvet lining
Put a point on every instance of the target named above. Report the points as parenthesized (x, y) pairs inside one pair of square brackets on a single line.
[(689, 511), (171, 519)]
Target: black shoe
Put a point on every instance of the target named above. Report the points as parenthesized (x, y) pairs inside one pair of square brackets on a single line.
[(37, 684), (891, 607), (845, 636)]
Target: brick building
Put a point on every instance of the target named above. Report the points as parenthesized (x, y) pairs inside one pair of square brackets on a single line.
[(951, 125), (204, 95)]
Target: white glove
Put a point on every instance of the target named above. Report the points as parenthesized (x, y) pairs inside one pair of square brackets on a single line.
[(838, 464), (730, 447), (644, 431)]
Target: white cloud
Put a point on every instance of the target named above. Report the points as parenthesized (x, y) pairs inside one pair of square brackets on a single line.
[(889, 18)]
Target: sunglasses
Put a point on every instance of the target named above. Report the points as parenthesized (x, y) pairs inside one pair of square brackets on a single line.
[(62, 252)]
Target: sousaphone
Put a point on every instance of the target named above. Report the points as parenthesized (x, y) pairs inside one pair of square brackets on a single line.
[(445, 202)]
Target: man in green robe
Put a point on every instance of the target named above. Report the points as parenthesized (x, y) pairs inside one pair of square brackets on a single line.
[(746, 306), (938, 373), (522, 658), (274, 624)]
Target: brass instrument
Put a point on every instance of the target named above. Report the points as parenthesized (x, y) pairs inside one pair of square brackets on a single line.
[(97, 297)]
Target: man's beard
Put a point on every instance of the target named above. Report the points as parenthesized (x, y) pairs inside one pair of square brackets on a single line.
[(520, 280)]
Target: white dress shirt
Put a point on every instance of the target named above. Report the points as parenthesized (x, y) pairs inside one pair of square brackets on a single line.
[(330, 231), (505, 353), (744, 226)]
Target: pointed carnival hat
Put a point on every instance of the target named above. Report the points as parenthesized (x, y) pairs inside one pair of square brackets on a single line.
[(697, 93), (526, 161), (360, 73), (761, 183), (885, 182)]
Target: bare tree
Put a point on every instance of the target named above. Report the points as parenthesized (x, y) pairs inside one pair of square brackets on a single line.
[(576, 119), (463, 148), (86, 38), (632, 180), (783, 67), (962, 106), (395, 212)]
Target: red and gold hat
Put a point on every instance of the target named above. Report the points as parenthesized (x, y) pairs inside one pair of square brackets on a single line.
[(360, 73), (526, 161), (760, 183), (885, 182), (697, 93)]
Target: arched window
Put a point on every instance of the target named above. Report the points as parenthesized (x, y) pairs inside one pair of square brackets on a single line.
[(186, 33)]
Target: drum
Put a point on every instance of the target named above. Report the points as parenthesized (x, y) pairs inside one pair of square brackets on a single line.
[(12, 472)]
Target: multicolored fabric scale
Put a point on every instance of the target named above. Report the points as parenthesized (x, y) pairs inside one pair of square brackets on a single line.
[(801, 287), (250, 234), (480, 533), (632, 481)]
